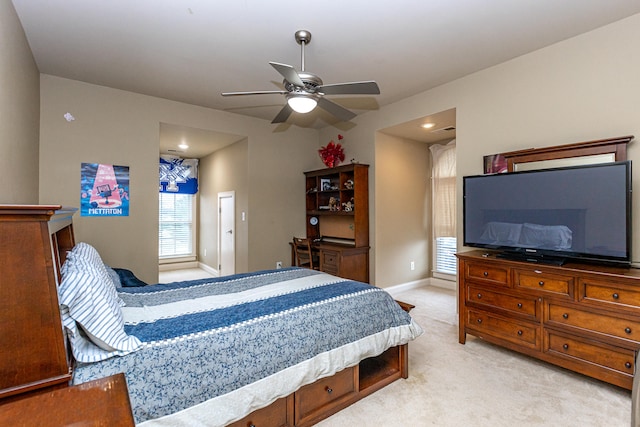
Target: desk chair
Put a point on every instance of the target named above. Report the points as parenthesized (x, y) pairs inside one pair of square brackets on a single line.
[(304, 254)]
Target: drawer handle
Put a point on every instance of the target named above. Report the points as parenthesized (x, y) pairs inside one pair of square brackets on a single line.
[(329, 390), (519, 305), (615, 296), (565, 346), (541, 283), (485, 274), (565, 315), (479, 296), (520, 332), (627, 330), (628, 365), (252, 425), (479, 320)]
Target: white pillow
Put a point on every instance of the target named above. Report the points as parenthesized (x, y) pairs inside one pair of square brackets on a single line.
[(88, 295), (86, 257)]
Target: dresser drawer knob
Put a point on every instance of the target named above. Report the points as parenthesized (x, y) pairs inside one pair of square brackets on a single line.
[(541, 283), (485, 274), (519, 305), (520, 332), (329, 390), (565, 315), (479, 320), (616, 296), (628, 365), (565, 346), (252, 425), (479, 296), (627, 330)]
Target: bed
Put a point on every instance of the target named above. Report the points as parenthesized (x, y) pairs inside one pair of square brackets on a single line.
[(211, 352)]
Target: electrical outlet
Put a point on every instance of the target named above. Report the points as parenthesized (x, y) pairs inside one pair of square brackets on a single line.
[(413, 265), (279, 264)]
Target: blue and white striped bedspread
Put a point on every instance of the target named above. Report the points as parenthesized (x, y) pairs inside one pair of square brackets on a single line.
[(215, 338)]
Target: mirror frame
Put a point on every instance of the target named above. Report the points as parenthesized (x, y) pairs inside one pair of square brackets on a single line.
[(616, 146)]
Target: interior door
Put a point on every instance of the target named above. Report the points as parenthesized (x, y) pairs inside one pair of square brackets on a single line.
[(226, 233)]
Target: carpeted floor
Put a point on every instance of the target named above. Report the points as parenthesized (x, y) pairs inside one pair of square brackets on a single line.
[(479, 384)]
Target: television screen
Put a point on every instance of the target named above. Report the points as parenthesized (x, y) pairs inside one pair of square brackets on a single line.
[(579, 212)]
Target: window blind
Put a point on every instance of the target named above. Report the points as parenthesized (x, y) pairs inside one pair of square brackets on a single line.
[(446, 255), (176, 225)]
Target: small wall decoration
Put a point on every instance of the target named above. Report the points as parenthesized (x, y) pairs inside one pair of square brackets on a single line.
[(104, 190), (332, 154), (495, 163)]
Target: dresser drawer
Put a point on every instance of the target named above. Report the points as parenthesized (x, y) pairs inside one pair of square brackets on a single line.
[(605, 324), (319, 397), (616, 296), (512, 330), (607, 357), (544, 282), (487, 273), (525, 305), (274, 415), (329, 261)]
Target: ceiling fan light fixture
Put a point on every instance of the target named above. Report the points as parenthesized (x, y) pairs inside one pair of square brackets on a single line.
[(302, 103)]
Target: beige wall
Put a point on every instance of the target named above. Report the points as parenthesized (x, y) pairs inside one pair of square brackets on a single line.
[(20, 112), (122, 128), (224, 170), (402, 205), (581, 89)]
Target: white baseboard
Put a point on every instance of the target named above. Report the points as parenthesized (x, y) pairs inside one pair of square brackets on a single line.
[(208, 269), (430, 281), (177, 265)]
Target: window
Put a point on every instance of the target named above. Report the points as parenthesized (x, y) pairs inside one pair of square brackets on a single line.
[(444, 209), (177, 225)]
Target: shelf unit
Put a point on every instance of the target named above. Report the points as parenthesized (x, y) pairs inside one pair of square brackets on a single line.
[(344, 184)]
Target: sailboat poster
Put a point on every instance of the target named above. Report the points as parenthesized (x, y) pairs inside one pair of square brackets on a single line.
[(104, 190)]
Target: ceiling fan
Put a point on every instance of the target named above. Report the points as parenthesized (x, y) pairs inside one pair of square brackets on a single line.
[(305, 90)]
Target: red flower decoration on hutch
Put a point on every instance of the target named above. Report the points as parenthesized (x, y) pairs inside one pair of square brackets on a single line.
[(332, 154)]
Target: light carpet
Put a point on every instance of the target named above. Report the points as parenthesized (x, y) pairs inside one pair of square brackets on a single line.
[(479, 384)]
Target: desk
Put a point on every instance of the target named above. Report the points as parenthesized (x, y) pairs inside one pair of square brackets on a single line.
[(341, 260)]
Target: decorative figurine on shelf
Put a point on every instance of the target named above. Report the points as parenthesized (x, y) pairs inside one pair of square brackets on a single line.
[(348, 206), (348, 184), (332, 154), (333, 204)]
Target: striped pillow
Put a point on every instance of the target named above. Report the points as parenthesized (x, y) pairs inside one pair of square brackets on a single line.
[(88, 296)]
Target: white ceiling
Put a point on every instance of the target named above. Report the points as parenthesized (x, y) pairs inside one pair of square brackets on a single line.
[(192, 50)]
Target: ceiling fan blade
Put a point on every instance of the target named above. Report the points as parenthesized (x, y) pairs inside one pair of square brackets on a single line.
[(335, 109), (289, 73), (283, 115), (255, 92), (354, 88)]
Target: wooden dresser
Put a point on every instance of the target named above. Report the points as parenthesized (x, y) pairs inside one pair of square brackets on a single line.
[(585, 318), (33, 357)]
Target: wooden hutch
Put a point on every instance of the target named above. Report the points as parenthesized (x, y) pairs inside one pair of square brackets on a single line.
[(337, 216)]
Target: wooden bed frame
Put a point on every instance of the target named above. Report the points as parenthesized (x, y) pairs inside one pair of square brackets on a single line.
[(36, 239)]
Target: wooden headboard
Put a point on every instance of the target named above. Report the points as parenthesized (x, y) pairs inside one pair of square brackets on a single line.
[(35, 240)]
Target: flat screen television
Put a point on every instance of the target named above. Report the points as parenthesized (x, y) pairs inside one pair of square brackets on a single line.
[(552, 215)]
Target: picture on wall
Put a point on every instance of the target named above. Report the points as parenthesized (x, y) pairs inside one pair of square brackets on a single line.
[(495, 163), (104, 190)]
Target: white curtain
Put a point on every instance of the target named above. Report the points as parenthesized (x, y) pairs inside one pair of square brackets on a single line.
[(444, 189)]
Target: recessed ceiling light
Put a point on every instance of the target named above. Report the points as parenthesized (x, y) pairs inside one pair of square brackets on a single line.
[(183, 145), (427, 125)]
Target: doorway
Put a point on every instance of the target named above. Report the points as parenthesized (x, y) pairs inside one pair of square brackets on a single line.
[(226, 233)]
